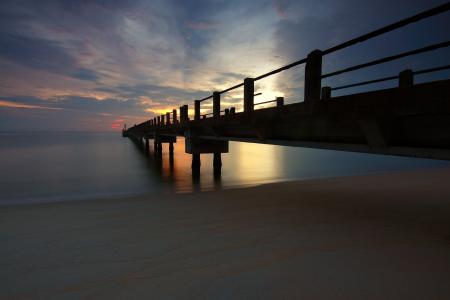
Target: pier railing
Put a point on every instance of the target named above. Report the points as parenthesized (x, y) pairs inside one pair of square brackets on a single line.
[(313, 89)]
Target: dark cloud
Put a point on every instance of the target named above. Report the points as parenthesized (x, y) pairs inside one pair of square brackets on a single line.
[(34, 53), (43, 55), (77, 6), (85, 74), (158, 93)]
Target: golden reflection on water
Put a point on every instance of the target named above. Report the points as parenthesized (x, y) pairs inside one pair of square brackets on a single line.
[(253, 163), (245, 164)]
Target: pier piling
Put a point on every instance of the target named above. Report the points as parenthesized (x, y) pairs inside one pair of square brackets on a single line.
[(147, 147), (196, 165)]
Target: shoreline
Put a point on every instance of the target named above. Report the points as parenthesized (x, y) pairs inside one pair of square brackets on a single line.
[(368, 236), (168, 192)]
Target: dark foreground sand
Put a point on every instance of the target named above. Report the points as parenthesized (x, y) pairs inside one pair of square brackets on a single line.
[(367, 237)]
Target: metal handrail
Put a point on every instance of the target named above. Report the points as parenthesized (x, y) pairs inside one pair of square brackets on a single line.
[(424, 71), (420, 16), (265, 102), (389, 58)]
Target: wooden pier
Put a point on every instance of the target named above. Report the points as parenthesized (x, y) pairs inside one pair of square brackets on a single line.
[(408, 120)]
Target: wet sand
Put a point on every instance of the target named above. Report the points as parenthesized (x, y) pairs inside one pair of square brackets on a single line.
[(367, 237)]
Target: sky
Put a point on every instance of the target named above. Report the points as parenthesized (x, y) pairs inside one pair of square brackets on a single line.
[(95, 65)]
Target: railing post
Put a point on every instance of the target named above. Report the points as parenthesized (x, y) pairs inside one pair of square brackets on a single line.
[(227, 111), (168, 118), (249, 92), (174, 112), (232, 110), (162, 120), (313, 76), (216, 104), (197, 110), (406, 78), (280, 102), (182, 114), (326, 93), (159, 120), (185, 113)]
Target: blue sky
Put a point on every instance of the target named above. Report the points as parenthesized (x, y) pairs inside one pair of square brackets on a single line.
[(94, 65)]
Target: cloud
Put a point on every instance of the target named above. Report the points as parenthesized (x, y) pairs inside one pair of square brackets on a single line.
[(85, 74), (43, 55), (34, 53), (200, 25), (11, 104), (136, 58)]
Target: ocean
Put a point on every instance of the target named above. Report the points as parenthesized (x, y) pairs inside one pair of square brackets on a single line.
[(61, 166)]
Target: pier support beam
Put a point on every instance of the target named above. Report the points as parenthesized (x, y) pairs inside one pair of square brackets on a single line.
[(171, 155), (217, 165), (217, 162), (159, 148), (197, 146), (147, 147), (196, 165), (171, 148)]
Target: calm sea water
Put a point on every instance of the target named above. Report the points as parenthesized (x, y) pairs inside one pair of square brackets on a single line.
[(45, 167)]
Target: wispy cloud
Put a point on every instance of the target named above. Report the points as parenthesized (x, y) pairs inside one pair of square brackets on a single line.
[(132, 59), (10, 104)]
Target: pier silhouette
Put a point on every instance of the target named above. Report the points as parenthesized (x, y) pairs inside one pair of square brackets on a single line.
[(407, 120)]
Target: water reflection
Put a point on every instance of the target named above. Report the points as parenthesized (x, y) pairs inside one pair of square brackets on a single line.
[(59, 166), (249, 164)]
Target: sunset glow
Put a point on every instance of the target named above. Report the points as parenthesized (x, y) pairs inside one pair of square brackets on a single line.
[(140, 59)]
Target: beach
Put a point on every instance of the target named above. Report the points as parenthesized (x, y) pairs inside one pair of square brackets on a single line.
[(382, 236)]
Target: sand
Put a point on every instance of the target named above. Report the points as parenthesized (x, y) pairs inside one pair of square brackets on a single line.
[(367, 237)]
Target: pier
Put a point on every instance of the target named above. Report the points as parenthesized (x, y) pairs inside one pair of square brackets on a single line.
[(406, 120)]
